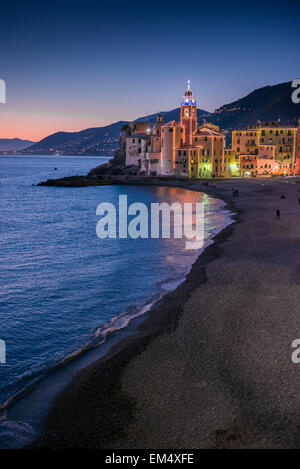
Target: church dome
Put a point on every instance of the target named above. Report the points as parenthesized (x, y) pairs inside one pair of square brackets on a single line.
[(188, 98)]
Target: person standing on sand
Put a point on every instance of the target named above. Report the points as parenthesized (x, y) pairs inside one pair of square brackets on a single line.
[(277, 214)]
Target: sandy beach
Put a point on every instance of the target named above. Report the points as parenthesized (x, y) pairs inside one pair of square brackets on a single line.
[(211, 366)]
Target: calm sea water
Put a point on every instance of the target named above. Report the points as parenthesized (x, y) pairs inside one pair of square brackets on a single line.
[(62, 288)]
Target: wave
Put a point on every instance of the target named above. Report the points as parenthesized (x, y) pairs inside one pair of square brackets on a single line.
[(15, 433)]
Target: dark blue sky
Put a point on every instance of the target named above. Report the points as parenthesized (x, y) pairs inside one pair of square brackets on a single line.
[(75, 64)]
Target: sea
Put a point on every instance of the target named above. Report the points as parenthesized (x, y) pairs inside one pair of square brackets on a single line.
[(64, 292)]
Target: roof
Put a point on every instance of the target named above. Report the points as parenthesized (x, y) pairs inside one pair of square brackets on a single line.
[(207, 133), (173, 124)]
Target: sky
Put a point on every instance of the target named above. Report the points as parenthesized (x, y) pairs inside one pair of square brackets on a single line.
[(70, 65)]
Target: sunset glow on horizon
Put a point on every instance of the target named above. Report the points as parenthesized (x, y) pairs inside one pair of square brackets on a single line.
[(80, 68), (36, 126)]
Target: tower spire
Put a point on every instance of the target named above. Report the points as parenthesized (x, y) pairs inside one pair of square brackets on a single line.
[(188, 114), (188, 97)]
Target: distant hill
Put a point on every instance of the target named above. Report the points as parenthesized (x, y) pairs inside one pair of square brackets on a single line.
[(269, 103), (93, 141), (14, 144), (102, 141)]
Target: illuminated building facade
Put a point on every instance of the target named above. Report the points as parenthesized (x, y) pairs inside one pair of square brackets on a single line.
[(198, 151), (297, 151), (231, 163), (179, 148), (273, 144)]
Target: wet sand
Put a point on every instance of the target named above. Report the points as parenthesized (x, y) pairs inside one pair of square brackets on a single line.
[(211, 366)]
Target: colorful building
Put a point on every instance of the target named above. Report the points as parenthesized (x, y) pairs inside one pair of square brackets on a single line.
[(265, 135), (231, 163), (297, 151), (198, 151), (179, 148)]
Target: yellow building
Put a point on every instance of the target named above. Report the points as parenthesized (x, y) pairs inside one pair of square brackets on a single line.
[(267, 134), (231, 163), (198, 151)]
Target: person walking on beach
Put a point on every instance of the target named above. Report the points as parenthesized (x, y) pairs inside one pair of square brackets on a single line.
[(277, 214)]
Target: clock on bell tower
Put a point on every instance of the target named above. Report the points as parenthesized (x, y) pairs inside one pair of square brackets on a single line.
[(188, 115)]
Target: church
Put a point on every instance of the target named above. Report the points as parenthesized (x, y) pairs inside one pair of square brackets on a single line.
[(177, 148), (187, 149)]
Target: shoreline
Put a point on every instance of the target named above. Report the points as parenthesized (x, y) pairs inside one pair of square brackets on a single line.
[(150, 324), (16, 408), (205, 367)]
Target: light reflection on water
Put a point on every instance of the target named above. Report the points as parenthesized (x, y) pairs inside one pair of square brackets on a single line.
[(59, 281)]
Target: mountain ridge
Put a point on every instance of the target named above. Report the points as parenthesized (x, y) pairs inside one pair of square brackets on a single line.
[(268, 103), (14, 144)]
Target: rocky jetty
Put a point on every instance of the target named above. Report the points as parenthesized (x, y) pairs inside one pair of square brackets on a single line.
[(110, 169), (105, 174)]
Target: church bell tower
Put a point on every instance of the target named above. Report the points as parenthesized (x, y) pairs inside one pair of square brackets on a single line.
[(188, 114)]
